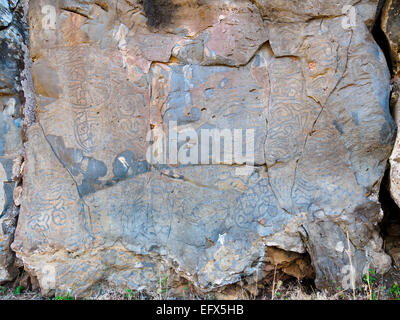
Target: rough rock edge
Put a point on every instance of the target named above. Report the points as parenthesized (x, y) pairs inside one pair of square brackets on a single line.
[(9, 223)]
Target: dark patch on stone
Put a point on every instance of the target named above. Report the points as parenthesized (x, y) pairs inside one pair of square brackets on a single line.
[(91, 170), (9, 70), (387, 133), (159, 12), (3, 130), (338, 127), (78, 164), (354, 116), (126, 166), (11, 53), (390, 209), (95, 169), (380, 37), (85, 188), (9, 192)]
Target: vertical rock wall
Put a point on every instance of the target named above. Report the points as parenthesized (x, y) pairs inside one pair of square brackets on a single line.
[(390, 24), (12, 41), (391, 27), (114, 78)]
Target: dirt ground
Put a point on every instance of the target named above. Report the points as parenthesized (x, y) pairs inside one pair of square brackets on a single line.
[(374, 287)]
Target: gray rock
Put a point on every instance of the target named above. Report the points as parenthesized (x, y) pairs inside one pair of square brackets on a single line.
[(312, 85), (5, 13), (11, 64)]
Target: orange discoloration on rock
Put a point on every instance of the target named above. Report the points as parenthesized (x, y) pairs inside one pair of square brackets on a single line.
[(71, 29)]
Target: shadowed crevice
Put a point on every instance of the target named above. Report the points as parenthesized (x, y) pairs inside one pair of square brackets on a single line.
[(380, 37), (159, 12)]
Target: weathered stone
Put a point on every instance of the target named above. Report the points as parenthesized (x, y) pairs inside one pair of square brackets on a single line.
[(395, 253), (298, 11), (11, 64), (291, 263), (5, 13), (315, 91), (391, 26)]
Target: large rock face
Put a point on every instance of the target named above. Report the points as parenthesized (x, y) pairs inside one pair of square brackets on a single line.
[(12, 38), (107, 200)]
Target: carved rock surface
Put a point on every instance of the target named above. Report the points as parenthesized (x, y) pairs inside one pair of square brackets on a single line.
[(311, 84)]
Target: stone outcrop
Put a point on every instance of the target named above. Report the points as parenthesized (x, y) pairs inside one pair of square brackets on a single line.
[(391, 26), (101, 205), (12, 39)]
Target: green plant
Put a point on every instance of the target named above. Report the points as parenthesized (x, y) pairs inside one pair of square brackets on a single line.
[(163, 284), (130, 294), (370, 277), (3, 289), (17, 291), (395, 291), (67, 296), (188, 286), (187, 289)]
